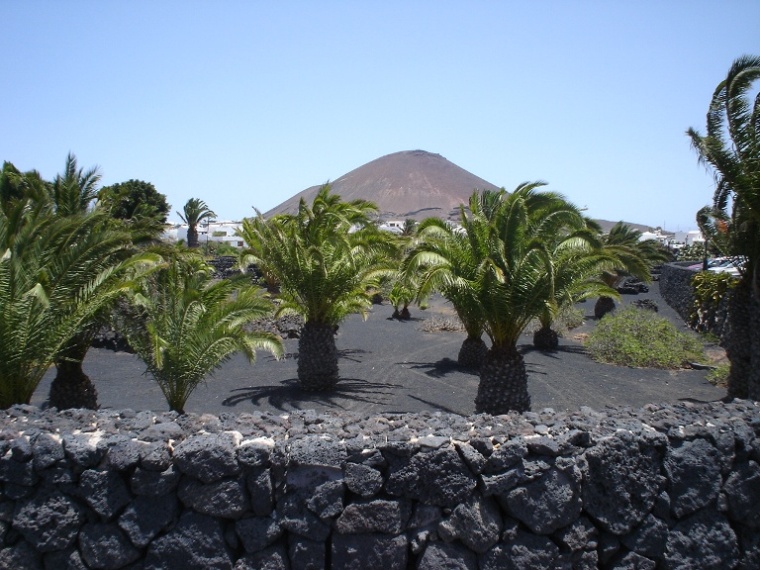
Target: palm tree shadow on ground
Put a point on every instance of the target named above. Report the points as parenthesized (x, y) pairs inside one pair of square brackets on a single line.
[(566, 348), (288, 395), (439, 369)]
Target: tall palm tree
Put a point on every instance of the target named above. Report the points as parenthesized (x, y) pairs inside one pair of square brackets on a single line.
[(327, 258), (635, 257), (514, 285), (731, 148), (192, 323), (194, 212)]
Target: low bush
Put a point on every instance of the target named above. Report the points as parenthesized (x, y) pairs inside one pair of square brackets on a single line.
[(442, 324), (719, 375), (641, 338)]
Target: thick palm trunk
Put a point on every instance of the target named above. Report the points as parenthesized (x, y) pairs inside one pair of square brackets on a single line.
[(742, 343), (317, 357), (546, 339), (192, 237), (503, 383), (472, 353), (71, 387), (603, 306)]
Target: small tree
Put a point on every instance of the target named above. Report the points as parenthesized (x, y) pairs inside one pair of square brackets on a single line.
[(191, 324), (327, 259)]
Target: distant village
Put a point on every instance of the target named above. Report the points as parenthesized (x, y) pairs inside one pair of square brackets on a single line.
[(225, 231)]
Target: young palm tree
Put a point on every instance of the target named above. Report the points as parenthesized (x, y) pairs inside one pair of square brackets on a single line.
[(635, 258), (194, 212), (191, 324), (326, 258), (731, 148), (448, 259), (514, 285), (577, 262)]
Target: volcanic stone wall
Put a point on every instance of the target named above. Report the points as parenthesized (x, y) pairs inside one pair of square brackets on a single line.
[(676, 289), (666, 486)]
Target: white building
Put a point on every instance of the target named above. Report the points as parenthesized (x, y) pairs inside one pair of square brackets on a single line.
[(208, 231)]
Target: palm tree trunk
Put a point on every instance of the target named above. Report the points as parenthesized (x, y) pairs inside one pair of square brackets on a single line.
[(192, 236), (71, 387), (317, 357), (472, 353), (503, 383), (603, 306), (546, 339), (742, 343)]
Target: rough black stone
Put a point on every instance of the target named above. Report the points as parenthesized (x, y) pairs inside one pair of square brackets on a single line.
[(703, 540), (362, 479), (525, 551), (273, 558), (49, 521), (104, 491), (105, 546), (227, 498), (377, 516), (196, 542), (207, 457), (743, 494), (361, 552), (256, 533), (146, 517), (154, 483), (693, 468), (548, 503), (476, 523), (437, 478), (621, 482)]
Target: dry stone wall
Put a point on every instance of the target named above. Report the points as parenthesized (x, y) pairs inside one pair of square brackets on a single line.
[(666, 486)]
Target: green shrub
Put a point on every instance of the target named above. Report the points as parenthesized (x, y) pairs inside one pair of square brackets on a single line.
[(710, 291), (641, 338), (719, 375)]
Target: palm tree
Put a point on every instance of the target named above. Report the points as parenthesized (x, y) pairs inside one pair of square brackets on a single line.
[(191, 324), (195, 211), (448, 260), (514, 285), (635, 257), (327, 258), (578, 260), (74, 191), (731, 148), (56, 275)]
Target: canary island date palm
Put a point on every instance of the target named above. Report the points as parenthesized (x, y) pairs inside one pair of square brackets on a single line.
[(447, 260), (577, 263), (194, 212), (56, 276), (190, 324), (635, 258), (731, 149), (327, 259), (514, 285)]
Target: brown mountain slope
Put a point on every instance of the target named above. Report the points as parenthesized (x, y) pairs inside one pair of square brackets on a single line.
[(408, 184)]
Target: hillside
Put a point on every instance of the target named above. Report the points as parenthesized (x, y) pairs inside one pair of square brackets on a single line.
[(408, 184)]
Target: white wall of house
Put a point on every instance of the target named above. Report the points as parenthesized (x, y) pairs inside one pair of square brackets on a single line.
[(218, 231)]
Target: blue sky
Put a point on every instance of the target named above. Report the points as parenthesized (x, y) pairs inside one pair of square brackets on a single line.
[(247, 103)]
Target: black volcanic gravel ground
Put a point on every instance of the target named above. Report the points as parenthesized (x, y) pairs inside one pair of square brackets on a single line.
[(392, 366)]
